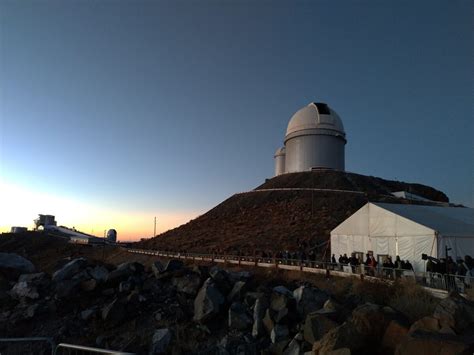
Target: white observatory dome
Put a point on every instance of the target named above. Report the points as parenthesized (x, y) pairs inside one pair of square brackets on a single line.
[(315, 138), (315, 116)]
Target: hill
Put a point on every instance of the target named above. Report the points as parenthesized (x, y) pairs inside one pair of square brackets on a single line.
[(284, 212)]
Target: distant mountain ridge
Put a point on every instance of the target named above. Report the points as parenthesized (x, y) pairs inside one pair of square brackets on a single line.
[(286, 211)]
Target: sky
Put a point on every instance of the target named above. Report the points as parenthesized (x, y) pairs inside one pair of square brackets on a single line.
[(114, 112)]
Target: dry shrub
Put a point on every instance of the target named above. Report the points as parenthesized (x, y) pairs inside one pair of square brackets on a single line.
[(372, 291), (470, 294), (412, 300)]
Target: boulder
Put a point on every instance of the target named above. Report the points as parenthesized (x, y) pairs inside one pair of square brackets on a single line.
[(125, 286), (279, 333), (187, 284), (69, 270), (237, 292), (426, 324), (251, 297), (259, 310), (239, 317), (419, 343), (280, 298), (161, 341), (99, 273), (331, 305), (455, 312), (173, 265), (88, 314), (88, 285), (12, 265), (235, 276), (4, 283), (24, 289), (294, 347), (157, 267), (208, 302), (309, 299), (67, 289), (343, 336), (221, 279), (369, 320), (268, 321), (315, 326), (121, 273), (114, 312), (394, 334)]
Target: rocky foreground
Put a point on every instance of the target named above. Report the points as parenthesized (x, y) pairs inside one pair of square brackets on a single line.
[(173, 308)]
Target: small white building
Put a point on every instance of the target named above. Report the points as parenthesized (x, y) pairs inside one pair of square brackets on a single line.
[(406, 230)]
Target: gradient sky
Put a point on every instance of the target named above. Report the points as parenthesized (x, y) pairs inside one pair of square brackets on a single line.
[(113, 112)]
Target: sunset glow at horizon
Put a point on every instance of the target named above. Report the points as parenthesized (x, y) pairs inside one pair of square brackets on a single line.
[(22, 206)]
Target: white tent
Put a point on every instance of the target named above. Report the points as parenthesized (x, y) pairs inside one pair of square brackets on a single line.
[(406, 230)]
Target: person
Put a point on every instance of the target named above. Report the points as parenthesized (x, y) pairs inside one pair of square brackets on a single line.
[(345, 259), (333, 259), (340, 259), (372, 265), (408, 266), (353, 262), (388, 266)]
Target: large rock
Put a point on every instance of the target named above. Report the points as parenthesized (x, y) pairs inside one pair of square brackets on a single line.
[(426, 324), (174, 265), (281, 297), (187, 284), (279, 333), (114, 312), (420, 343), (259, 310), (161, 340), (394, 334), (268, 321), (208, 302), (343, 336), (67, 289), (309, 299), (12, 265), (221, 278), (124, 271), (237, 292), (99, 273), (315, 326), (369, 320), (70, 269), (157, 267), (239, 317), (455, 312), (24, 289)]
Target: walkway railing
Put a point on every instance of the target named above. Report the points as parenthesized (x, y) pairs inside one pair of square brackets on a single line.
[(44, 345), (427, 279)]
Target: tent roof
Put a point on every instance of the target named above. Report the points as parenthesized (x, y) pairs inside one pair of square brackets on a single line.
[(447, 221)]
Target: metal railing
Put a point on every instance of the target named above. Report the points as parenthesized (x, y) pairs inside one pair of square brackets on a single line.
[(25, 346), (427, 279), (46, 346), (71, 349)]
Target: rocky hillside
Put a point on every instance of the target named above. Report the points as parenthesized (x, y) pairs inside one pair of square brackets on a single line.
[(269, 219), (178, 309)]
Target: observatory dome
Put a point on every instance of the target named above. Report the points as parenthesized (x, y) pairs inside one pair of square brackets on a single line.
[(315, 116), (315, 138)]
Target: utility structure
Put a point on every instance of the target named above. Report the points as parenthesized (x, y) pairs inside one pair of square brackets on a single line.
[(315, 139)]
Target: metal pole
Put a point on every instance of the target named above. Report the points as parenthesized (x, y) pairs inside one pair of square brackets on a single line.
[(154, 229)]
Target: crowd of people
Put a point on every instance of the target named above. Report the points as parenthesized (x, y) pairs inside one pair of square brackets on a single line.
[(462, 267)]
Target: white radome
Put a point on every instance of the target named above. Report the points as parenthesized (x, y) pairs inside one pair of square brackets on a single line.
[(309, 118), (315, 139)]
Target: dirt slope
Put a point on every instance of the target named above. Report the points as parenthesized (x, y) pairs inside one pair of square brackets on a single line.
[(281, 219)]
